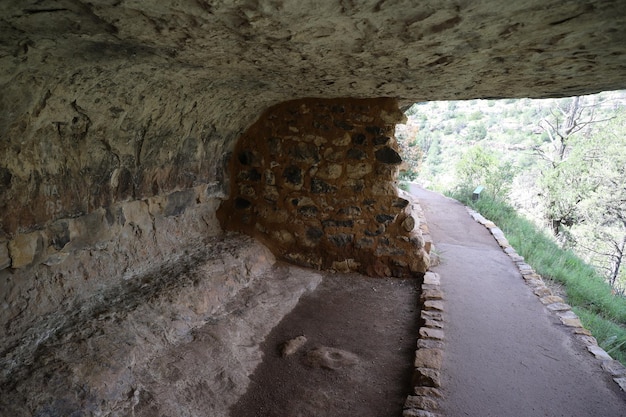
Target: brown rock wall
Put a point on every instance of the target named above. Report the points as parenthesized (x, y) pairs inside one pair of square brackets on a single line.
[(315, 180), (75, 264)]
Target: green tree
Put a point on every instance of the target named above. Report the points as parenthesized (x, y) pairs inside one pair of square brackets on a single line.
[(564, 180), (601, 230), (479, 166)]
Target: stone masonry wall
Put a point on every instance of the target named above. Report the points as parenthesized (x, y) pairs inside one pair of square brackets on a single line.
[(315, 181)]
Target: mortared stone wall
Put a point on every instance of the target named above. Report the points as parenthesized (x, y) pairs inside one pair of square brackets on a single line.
[(315, 180)]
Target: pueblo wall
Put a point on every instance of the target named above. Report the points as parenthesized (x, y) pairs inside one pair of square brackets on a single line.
[(316, 181)]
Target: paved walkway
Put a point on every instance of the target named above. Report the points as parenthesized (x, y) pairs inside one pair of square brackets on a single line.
[(505, 355)]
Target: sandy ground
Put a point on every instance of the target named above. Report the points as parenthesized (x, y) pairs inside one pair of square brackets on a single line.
[(375, 319), (505, 354)]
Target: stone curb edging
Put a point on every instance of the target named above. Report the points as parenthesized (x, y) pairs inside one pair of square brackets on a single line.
[(426, 383), (554, 304)]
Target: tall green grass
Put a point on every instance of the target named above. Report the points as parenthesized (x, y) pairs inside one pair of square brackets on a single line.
[(602, 312)]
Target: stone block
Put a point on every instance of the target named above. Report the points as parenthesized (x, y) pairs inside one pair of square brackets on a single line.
[(421, 402), (365, 243), (621, 382), (431, 314), (559, 307), (433, 324), (582, 331), (356, 154), (388, 155), (541, 290), (321, 187), (615, 368), (408, 224), (551, 299), (588, 340), (525, 268), (599, 353), (431, 333), (360, 170), (428, 391), (566, 314), (428, 358), (426, 377), (291, 346), (571, 322), (24, 248), (432, 278), (433, 305), (532, 276), (429, 344), (293, 177), (341, 239), (330, 172), (430, 287), (434, 294)]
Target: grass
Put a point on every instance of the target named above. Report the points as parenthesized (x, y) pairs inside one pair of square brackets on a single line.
[(602, 312), (611, 337)]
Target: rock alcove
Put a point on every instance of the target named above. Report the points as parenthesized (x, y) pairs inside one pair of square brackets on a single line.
[(125, 125)]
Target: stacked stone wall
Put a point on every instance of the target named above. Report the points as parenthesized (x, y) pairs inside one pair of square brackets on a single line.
[(316, 181)]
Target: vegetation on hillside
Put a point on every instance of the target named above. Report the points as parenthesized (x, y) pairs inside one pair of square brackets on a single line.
[(554, 178), (560, 162)]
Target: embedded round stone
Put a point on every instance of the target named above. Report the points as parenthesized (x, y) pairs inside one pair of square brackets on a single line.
[(408, 224), (314, 234), (357, 154), (341, 239), (358, 139), (385, 218), (293, 175), (330, 172), (318, 186), (387, 155)]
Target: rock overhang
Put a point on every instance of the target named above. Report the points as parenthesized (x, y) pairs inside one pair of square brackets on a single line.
[(106, 102), (118, 118)]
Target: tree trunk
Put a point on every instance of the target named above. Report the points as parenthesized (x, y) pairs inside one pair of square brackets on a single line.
[(617, 261)]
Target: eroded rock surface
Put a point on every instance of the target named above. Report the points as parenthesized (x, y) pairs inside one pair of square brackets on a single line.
[(181, 341), (107, 101)]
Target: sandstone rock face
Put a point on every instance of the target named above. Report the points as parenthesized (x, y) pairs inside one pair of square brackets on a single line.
[(314, 180), (180, 340)]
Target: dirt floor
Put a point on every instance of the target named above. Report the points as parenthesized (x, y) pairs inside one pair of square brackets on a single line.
[(373, 324)]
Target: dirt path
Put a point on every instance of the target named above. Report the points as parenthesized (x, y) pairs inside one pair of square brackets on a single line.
[(505, 355), (372, 318)]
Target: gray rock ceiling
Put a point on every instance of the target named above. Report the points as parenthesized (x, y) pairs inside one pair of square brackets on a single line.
[(268, 51), (93, 86)]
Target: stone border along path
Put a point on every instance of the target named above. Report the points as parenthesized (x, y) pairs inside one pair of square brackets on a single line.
[(429, 354), (553, 303)]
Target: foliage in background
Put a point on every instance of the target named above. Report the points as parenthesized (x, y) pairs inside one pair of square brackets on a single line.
[(480, 166), (559, 161), (554, 173)]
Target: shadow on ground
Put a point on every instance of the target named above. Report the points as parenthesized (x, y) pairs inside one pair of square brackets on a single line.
[(375, 319)]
